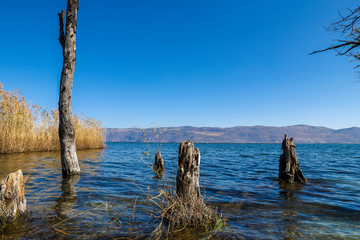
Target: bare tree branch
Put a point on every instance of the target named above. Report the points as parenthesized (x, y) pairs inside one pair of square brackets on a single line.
[(348, 27), (346, 23), (337, 46)]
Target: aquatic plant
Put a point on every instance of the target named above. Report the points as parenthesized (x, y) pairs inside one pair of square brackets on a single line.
[(26, 127)]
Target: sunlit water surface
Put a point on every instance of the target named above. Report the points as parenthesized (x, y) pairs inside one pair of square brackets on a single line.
[(108, 200)]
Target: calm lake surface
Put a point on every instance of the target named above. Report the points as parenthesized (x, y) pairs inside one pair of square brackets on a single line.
[(109, 198)]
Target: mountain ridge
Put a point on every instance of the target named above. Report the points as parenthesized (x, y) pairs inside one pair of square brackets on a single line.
[(238, 134)]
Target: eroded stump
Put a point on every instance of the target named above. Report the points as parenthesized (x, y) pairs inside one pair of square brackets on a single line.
[(12, 196), (289, 168), (187, 179), (187, 208), (159, 167)]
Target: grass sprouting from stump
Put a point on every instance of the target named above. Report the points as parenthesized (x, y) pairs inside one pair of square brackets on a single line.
[(176, 214)]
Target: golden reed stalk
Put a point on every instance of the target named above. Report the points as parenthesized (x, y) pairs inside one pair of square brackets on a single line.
[(25, 127)]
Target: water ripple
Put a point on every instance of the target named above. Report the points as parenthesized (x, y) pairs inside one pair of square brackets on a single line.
[(238, 179)]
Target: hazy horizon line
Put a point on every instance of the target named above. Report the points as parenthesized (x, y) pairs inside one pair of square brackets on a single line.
[(296, 125)]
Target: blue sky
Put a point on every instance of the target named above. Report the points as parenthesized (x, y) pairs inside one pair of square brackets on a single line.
[(180, 63)]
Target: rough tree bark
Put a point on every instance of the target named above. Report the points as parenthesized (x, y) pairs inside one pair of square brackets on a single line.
[(69, 160), (12, 196), (289, 168), (159, 168), (187, 179)]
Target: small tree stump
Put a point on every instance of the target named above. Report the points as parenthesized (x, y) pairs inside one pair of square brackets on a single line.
[(159, 168), (12, 196), (187, 179), (289, 168)]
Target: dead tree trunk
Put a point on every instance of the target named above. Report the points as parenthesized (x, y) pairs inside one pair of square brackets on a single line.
[(159, 168), (69, 160), (187, 179), (289, 168), (12, 196)]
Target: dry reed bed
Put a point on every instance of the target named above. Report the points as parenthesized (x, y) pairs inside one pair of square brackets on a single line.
[(25, 127)]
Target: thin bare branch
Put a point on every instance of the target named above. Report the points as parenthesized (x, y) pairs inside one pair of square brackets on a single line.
[(346, 23), (348, 27), (356, 44)]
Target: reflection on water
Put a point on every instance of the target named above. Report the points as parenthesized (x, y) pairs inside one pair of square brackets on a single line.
[(66, 202), (100, 202), (288, 190)]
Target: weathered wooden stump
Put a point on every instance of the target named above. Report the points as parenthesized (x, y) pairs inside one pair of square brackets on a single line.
[(289, 168), (159, 168), (12, 196), (187, 179), (187, 208)]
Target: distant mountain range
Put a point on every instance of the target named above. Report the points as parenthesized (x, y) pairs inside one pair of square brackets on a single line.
[(255, 134)]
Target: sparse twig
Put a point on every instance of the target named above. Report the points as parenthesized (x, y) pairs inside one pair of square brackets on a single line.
[(347, 26)]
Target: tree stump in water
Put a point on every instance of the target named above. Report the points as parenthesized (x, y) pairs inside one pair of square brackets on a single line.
[(12, 196), (289, 168), (187, 208), (159, 168), (187, 179)]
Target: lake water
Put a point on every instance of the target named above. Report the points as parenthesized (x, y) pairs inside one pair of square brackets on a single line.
[(109, 198)]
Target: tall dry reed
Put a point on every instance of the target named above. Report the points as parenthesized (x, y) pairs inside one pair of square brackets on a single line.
[(25, 127)]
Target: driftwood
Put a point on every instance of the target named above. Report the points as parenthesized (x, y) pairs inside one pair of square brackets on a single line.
[(159, 168), (12, 196), (69, 160), (187, 179), (289, 168)]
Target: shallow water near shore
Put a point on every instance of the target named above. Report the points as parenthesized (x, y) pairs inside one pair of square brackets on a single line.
[(108, 200)]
